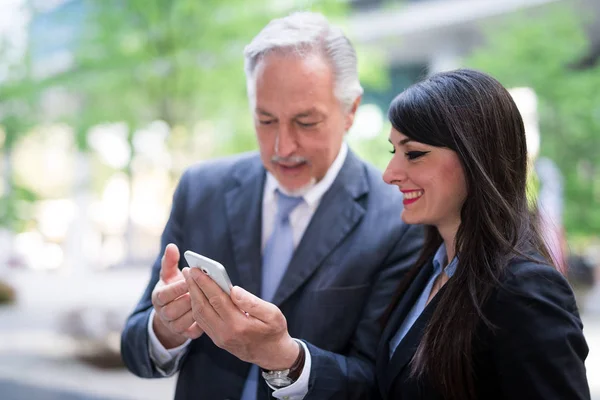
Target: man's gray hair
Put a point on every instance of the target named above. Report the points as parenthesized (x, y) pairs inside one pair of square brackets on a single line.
[(302, 34)]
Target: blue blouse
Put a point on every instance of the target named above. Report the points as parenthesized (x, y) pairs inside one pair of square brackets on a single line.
[(438, 266)]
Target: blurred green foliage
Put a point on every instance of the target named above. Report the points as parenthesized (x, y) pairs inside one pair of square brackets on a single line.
[(177, 61), (18, 113), (541, 52), (139, 61)]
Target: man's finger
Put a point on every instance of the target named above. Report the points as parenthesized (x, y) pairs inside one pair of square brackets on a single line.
[(216, 297), (165, 294), (182, 324), (177, 308), (194, 331), (253, 305), (203, 311), (169, 267)]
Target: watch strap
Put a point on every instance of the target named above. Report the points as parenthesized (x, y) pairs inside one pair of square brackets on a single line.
[(298, 366)]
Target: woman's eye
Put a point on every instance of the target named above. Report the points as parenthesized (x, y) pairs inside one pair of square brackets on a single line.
[(413, 155), (393, 151)]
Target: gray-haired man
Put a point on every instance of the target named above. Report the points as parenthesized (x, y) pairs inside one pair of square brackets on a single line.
[(308, 233)]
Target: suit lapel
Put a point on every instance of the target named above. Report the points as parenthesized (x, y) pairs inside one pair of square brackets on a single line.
[(402, 309), (337, 214), (243, 203), (408, 346)]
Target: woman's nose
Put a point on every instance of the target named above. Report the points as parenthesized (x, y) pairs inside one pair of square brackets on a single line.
[(395, 172)]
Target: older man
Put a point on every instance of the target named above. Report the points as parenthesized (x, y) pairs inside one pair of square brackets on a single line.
[(309, 234)]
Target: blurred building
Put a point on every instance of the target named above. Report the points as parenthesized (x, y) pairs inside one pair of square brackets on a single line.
[(52, 34), (419, 37)]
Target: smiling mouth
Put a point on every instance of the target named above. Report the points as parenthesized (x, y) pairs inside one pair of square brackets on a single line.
[(412, 196)]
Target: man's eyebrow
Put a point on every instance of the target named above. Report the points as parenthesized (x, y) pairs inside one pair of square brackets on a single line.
[(263, 112), (303, 114), (308, 113)]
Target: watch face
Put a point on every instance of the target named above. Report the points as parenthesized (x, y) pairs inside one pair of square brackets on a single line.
[(278, 379), (280, 382)]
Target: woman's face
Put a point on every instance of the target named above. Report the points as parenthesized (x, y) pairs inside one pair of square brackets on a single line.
[(432, 181)]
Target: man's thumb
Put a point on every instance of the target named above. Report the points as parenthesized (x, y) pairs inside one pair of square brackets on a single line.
[(170, 263)]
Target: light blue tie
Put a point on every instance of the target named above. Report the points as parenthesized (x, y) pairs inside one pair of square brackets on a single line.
[(276, 257)]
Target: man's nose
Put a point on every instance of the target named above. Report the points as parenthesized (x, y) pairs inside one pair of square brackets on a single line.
[(285, 143)]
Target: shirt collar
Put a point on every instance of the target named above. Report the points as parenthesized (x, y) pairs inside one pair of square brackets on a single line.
[(439, 260), (313, 193)]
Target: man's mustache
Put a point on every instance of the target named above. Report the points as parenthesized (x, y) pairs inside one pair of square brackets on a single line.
[(288, 160)]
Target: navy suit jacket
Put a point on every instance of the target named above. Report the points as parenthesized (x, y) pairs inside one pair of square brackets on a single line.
[(338, 283), (536, 352)]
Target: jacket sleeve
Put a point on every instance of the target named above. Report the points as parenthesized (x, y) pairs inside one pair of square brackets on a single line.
[(134, 338), (538, 344), (335, 376)]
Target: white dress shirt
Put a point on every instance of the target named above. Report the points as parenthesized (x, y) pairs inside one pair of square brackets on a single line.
[(166, 361)]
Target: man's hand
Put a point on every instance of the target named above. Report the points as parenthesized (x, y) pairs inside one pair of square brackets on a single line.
[(257, 335), (173, 322)]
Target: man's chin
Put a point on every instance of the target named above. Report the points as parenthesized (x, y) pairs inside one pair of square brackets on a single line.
[(297, 187)]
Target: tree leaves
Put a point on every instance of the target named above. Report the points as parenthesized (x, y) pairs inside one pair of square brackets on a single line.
[(539, 52)]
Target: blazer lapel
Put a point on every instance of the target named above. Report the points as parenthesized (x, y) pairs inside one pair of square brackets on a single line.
[(243, 203), (408, 346), (402, 309), (336, 216)]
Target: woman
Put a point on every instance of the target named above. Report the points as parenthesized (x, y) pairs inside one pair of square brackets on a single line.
[(483, 314)]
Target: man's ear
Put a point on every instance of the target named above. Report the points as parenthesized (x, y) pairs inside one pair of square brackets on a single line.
[(352, 113)]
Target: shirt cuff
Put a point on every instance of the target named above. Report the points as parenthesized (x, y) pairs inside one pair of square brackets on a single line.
[(164, 360), (298, 389)]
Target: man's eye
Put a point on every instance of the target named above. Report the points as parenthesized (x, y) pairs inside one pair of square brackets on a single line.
[(266, 122), (393, 151), (306, 124), (413, 155)]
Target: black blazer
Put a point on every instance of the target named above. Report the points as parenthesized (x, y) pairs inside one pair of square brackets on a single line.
[(537, 352)]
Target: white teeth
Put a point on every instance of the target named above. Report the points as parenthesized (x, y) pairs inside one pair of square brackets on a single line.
[(413, 195)]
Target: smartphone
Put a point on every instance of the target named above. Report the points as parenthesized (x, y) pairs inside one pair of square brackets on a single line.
[(211, 268)]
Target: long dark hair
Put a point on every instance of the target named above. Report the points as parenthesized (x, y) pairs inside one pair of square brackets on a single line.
[(472, 114)]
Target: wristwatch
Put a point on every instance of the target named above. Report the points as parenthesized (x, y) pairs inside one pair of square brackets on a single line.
[(285, 377)]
